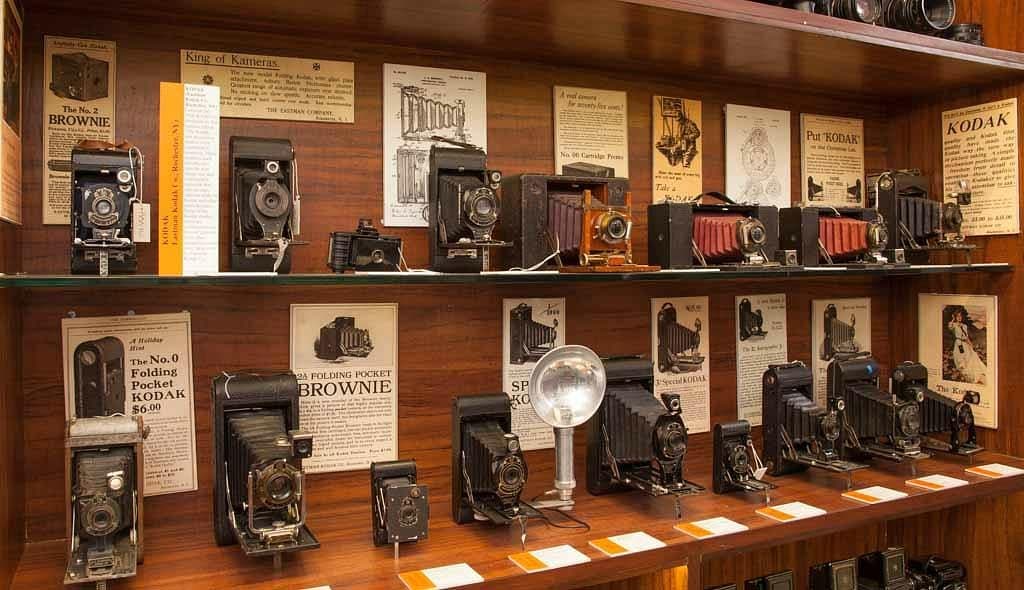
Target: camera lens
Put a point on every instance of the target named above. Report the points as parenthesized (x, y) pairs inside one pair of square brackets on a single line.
[(511, 475), (408, 515), (673, 440), (739, 460), (910, 420), (481, 207), (100, 515), (617, 228), (280, 488), (830, 426)]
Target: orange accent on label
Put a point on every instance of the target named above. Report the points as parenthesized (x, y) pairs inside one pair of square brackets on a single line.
[(776, 514), (527, 561), (417, 580), (925, 484), (171, 160), (694, 530), (983, 471), (610, 547), (862, 497)]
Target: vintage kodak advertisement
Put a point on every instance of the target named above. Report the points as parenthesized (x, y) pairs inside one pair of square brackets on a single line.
[(10, 128), (272, 87), (138, 365), (838, 326), (832, 161), (345, 357), (980, 146), (530, 328), (680, 339), (757, 161), (678, 149), (591, 132), (958, 342), (760, 341), (79, 86), (423, 107)]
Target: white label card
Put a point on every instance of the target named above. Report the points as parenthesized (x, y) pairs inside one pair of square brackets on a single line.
[(791, 511), (712, 527), (140, 223), (874, 495), (437, 578), (994, 470), (936, 482), (626, 544), (550, 558)]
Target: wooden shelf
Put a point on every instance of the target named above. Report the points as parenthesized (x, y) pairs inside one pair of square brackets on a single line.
[(726, 41), (180, 552)]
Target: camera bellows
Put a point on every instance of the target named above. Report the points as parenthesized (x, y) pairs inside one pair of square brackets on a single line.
[(717, 235), (677, 345), (630, 414), (341, 338), (105, 504), (843, 238), (494, 463), (920, 217), (529, 339), (839, 335), (258, 445)]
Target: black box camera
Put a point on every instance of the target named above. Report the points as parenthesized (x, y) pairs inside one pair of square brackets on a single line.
[(364, 250), (400, 510)]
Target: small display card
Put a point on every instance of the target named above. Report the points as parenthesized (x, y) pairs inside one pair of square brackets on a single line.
[(791, 511), (994, 470), (874, 495), (436, 578), (626, 544), (548, 559), (712, 527), (936, 482)]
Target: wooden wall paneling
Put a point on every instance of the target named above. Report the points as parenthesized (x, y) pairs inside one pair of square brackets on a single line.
[(12, 477)]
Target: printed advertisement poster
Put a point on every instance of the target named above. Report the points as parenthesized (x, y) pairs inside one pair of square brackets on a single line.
[(678, 149), (979, 146), (79, 85), (591, 132), (679, 347), (423, 107), (10, 129), (531, 327), (270, 87), (345, 357), (832, 161), (760, 341), (757, 147), (838, 326), (138, 365), (957, 340)]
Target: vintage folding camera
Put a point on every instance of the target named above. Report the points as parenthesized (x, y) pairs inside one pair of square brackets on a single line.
[(727, 235), (797, 432), (265, 204), (840, 336), (835, 575), (836, 235), (106, 188), (882, 424), (936, 573), (883, 570), (99, 378), (914, 222), (465, 205), (736, 465), (593, 231), (78, 76), (751, 322), (488, 467), (364, 250), (341, 338), (259, 495), (635, 441), (104, 463), (779, 581), (526, 214), (529, 340), (678, 346), (939, 414), (400, 510)]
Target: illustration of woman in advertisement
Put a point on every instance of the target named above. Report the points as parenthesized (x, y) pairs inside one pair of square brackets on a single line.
[(965, 357)]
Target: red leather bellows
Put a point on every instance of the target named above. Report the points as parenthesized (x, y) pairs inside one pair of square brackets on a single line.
[(843, 237), (715, 235)]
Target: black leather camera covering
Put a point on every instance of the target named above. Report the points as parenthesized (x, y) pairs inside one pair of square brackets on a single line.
[(478, 408), (670, 230), (246, 154), (394, 470)]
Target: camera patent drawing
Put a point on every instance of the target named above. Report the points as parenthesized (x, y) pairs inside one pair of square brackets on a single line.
[(726, 235), (798, 433), (99, 378), (636, 441), (779, 581), (341, 338), (106, 188), (836, 235), (79, 77), (529, 340), (835, 575), (488, 467), (104, 465), (916, 223), (940, 415), (678, 346), (736, 465), (259, 496), (840, 336), (882, 424), (883, 570), (364, 250), (399, 505), (935, 573), (265, 204), (750, 322)]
